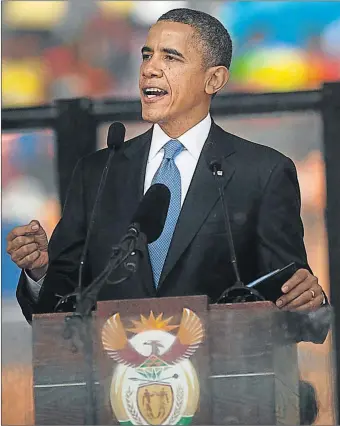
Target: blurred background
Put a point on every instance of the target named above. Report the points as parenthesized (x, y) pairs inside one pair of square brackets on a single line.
[(77, 48), (58, 49)]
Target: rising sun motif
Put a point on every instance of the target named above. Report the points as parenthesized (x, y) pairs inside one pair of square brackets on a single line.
[(160, 387), (151, 323)]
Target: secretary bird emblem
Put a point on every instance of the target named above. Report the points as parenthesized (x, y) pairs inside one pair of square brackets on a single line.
[(154, 382)]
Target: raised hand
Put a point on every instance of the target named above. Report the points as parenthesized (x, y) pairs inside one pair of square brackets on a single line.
[(27, 245)]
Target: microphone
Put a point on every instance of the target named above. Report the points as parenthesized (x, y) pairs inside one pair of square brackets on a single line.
[(115, 140), (146, 226), (151, 213), (116, 135), (238, 292), (148, 221)]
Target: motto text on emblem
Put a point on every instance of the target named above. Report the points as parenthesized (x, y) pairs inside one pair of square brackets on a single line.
[(154, 382)]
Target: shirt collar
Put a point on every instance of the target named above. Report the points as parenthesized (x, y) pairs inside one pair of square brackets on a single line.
[(192, 140)]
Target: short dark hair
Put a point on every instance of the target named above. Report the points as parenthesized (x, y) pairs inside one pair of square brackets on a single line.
[(215, 39)]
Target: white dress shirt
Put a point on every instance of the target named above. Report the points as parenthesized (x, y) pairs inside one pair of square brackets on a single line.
[(193, 141)]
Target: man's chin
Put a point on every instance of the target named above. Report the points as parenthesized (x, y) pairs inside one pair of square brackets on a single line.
[(151, 116)]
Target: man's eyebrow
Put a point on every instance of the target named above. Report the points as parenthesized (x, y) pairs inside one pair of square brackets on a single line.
[(174, 52), (168, 50), (146, 49)]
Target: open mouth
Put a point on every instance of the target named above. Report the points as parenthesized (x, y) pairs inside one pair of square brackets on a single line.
[(154, 93)]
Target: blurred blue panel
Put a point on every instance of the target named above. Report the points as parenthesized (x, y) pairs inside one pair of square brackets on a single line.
[(29, 190), (9, 271), (281, 21)]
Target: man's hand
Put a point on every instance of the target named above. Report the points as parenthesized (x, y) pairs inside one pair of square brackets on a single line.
[(301, 292), (27, 245)]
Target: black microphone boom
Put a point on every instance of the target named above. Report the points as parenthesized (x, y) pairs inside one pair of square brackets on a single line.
[(238, 292), (216, 169), (115, 140)]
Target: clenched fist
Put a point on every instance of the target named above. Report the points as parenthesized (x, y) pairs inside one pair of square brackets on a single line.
[(27, 245)]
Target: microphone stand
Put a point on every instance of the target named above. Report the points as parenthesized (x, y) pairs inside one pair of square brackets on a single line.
[(130, 244), (102, 182), (79, 324), (237, 293)]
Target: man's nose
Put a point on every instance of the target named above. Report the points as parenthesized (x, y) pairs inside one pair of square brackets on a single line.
[(151, 68)]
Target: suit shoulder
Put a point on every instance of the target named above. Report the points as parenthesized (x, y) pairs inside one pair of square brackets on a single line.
[(255, 152), (98, 158)]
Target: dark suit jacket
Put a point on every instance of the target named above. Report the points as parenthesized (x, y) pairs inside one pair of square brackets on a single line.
[(263, 198)]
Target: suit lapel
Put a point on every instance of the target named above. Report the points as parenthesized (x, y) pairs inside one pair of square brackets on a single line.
[(137, 153), (202, 194), (134, 174)]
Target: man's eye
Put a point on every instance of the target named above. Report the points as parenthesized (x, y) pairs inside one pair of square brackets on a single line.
[(146, 56), (169, 58)]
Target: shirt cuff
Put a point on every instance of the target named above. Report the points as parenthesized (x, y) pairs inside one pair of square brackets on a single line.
[(34, 287)]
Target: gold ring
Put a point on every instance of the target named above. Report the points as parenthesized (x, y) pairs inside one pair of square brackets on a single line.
[(313, 293)]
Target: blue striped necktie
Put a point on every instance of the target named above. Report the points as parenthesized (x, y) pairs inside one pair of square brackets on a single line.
[(169, 175)]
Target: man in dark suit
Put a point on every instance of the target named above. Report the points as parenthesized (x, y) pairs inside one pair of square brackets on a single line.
[(186, 60)]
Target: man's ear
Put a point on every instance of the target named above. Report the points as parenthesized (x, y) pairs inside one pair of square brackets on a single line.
[(217, 79)]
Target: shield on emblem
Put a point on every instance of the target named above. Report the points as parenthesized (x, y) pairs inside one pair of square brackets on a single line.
[(155, 402)]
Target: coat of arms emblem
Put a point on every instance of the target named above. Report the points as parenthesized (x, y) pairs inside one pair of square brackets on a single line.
[(154, 382)]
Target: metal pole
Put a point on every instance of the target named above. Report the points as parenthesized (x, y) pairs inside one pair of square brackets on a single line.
[(330, 110), (229, 104), (28, 117), (130, 110), (76, 137)]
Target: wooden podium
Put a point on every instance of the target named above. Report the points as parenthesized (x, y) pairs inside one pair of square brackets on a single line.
[(168, 361)]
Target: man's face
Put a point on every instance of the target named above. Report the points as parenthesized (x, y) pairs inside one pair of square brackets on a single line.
[(173, 64)]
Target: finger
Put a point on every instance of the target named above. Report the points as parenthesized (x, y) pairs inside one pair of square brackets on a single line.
[(301, 300), (35, 228), (19, 242), (294, 293), (38, 229), (41, 238), (24, 251), (309, 294), (31, 228), (27, 261), (296, 279), (312, 304), (18, 232)]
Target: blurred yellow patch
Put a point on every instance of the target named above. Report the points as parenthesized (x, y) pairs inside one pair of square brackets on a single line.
[(116, 7), (280, 69), (22, 82), (33, 14)]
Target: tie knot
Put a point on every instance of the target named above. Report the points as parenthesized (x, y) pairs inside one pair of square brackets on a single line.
[(172, 149)]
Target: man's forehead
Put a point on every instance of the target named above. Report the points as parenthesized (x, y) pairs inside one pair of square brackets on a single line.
[(165, 32)]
